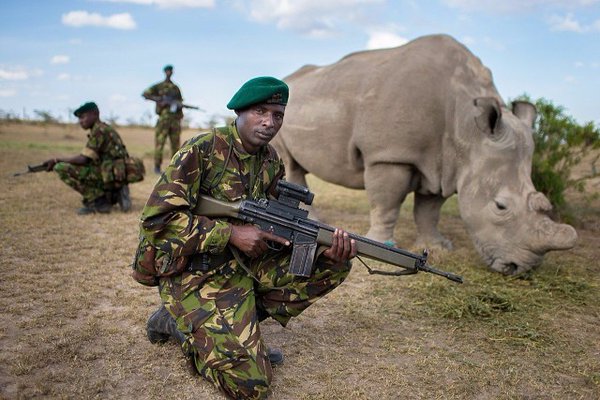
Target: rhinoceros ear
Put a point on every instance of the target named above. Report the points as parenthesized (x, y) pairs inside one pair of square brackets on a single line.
[(525, 111), (490, 115)]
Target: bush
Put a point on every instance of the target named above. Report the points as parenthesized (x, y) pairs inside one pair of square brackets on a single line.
[(560, 144)]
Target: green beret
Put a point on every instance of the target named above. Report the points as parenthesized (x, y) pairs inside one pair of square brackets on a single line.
[(168, 66), (264, 89), (90, 106)]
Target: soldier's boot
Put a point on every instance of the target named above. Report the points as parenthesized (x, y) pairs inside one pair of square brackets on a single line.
[(124, 199), (275, 355), (100, 205), (161, 326)]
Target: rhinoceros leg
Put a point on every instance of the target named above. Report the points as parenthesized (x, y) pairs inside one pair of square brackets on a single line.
[(427, 215), (387, 186)]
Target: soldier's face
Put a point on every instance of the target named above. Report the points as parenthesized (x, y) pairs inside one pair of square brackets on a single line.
[(259, 124), (168, 73), (88, 119)]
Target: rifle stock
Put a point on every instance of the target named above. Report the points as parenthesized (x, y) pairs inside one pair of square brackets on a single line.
[(285, 218)]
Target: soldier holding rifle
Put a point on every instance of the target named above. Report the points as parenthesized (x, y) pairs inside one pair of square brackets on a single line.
[(218, 278), (99, 172), (169, 109)]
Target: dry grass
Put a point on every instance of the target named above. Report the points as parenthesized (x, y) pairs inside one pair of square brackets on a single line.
[(73, 320)]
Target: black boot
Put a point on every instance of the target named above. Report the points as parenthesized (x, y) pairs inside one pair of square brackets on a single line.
[(161, 326), (123, 198), (100, 205), (275, 356)]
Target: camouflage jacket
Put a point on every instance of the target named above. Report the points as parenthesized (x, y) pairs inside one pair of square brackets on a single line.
[(165, 89), (213, 163), (104, 144)]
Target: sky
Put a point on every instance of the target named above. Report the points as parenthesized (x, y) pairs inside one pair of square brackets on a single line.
[(57, 54)]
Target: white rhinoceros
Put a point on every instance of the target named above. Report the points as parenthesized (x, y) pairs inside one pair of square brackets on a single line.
[(424, 118)]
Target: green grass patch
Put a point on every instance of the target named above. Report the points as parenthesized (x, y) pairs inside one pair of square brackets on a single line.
[(14, 145)]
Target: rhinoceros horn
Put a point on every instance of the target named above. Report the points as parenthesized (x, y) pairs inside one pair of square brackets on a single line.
[(549, 235)]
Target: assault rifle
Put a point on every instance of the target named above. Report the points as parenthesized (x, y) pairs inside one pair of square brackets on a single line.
[(33, 168), (172, 103), (284, 217)]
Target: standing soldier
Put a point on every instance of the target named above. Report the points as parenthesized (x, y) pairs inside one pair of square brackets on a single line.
[(98, 173), (168, 100)]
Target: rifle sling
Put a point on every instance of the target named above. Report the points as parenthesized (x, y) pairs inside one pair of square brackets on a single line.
[(238, 258)]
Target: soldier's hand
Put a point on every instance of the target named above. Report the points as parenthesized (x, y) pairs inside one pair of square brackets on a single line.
[(252, 241), (342, 249), (50, 164)]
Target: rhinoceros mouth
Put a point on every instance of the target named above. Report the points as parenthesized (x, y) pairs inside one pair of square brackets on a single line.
[(506, 268), (518, 261), (514, 268)]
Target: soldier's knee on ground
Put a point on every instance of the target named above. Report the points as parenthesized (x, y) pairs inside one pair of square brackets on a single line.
[(239, 377)]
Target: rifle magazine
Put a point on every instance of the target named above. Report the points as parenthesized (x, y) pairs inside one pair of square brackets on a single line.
[(303, 255)]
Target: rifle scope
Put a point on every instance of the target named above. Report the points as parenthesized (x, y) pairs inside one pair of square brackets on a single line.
[(292, 193)]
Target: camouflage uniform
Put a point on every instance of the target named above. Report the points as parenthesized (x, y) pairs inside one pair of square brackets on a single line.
[(169, 120), (219, 308), (106, 172)]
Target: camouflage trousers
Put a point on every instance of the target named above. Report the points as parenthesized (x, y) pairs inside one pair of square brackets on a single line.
[(166, 127), (217, 312), (86, 179)]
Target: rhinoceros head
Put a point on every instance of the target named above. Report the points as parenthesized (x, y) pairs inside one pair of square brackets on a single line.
[(506, 217)]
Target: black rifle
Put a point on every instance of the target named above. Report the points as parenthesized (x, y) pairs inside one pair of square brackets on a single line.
[(284, 217), (33, 168), (173, 104)]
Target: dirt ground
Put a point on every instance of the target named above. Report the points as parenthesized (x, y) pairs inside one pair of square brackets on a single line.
[(73, 321)]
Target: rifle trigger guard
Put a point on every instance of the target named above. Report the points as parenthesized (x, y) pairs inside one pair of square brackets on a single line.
[(274, 245)]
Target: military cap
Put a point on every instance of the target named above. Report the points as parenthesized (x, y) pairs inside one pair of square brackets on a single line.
[(89, 106), (168, 66), (264, 89)]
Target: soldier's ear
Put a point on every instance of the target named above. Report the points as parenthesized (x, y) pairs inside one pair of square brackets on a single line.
[(489, 118)]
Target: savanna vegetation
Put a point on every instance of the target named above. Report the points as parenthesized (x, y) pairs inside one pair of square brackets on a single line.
[(73, 321)]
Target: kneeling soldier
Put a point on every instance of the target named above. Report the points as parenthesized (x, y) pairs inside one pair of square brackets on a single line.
[(219, 278), (98, 173)]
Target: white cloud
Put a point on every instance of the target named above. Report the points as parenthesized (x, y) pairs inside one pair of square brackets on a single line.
[(117, 98), (7, 92), (382, 39), (15, 75), (516, 6), (63, 77), (171, 3), (569, 23), (84, 18), (468, 40), (60, 59), (315, 18), (566, 23), (18, 73)]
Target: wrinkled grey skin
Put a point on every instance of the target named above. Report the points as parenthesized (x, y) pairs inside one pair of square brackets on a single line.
[(424, 118)]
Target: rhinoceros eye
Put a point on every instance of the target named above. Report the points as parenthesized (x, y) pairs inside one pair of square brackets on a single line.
[(500, 206)]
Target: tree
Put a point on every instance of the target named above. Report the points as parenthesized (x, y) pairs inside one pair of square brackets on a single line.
[(560, 144)]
